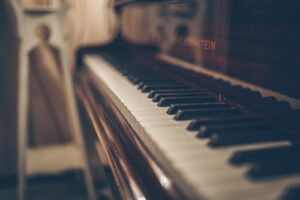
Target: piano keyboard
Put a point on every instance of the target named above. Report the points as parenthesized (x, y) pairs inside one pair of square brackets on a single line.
[(212, 148)]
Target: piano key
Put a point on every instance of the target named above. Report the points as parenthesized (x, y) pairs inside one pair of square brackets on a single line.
[(146, 112), (243, 157), (156, 87), (153, 117), (242, 94), (275, 168), (197, 123), (244, 137), (247, 190), (157, 97), (283, 105), (166, 91), (157, 82), (196, 113), (167, 101), (160, 123), (175, 107), (292, 193), (141, 84), (207, 130), (140, 81), (266, 104), (136, 79)]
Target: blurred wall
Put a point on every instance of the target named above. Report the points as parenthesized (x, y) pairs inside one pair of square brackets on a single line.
[(8, 88), (90, 22)]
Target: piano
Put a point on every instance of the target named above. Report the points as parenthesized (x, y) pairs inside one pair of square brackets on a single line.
[(197, 99)]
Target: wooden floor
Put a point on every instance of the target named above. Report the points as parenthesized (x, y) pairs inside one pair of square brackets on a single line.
[(68, 186)]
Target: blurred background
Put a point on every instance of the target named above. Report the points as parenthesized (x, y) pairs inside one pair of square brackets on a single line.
[(65, 26)]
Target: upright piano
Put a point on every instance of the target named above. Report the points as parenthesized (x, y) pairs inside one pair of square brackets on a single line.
[(198, 99)]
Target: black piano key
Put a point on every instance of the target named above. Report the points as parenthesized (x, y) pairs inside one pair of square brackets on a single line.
[(195, 113), (141, 75), (283, 105), (158, 83), (292, 193), (249, 96), (166, 91), (156, 87), (244, 137), (167, 101), (270, 104), (157, 97), (208, 130), (276, 119), (175, 107), (135, 79), (124, 72), (257, 155), (197, 123), (281, 166), (242, 94), (141, 84)]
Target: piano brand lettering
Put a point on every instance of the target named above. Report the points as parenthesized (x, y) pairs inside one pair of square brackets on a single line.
[(202, 44), (209, 45)]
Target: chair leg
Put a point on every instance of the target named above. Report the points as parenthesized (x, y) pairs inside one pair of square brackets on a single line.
[(89, 181), (22, 129), (21, 181)]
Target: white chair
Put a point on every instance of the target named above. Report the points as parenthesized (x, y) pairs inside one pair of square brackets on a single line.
[(32, 161)]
